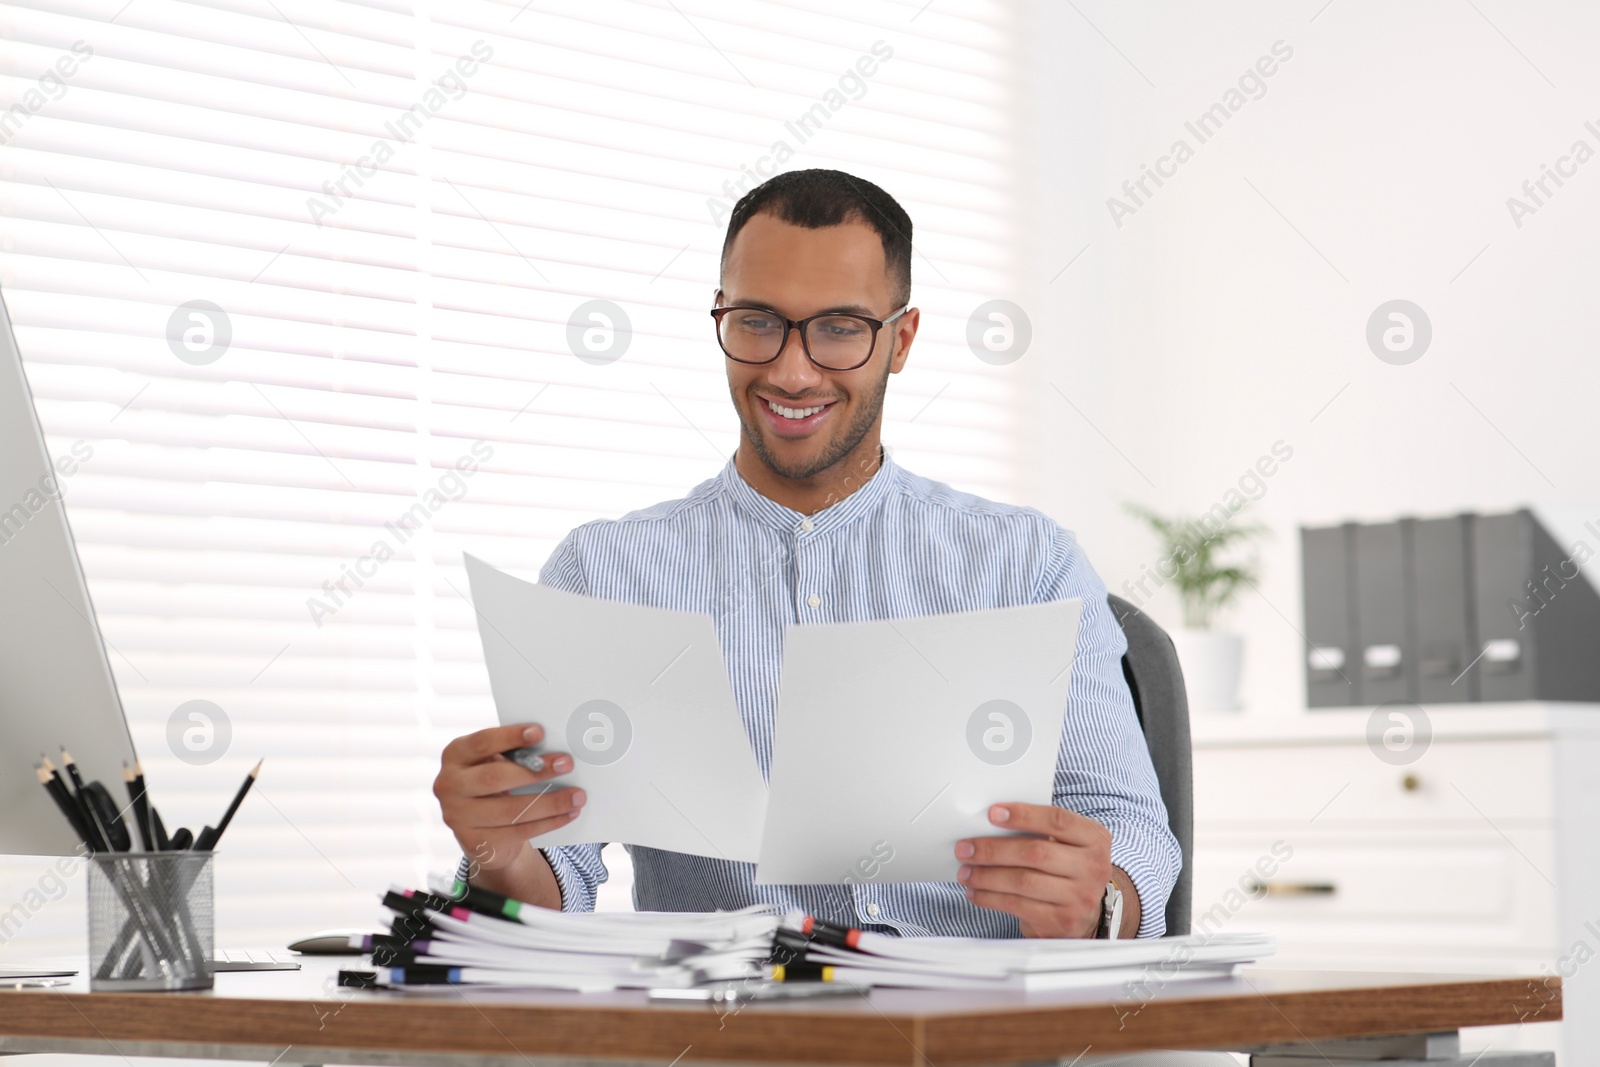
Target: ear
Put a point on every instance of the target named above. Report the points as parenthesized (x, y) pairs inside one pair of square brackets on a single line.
[(905, 331)]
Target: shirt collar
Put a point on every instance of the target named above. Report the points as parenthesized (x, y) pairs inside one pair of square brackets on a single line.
[(771, 513)]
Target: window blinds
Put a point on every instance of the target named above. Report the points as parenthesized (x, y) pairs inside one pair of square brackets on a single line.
[(311, 281)]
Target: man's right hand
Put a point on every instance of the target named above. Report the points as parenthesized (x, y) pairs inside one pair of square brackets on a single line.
[(493, 827)]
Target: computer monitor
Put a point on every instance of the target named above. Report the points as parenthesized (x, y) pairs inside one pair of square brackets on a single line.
[(56, 686)]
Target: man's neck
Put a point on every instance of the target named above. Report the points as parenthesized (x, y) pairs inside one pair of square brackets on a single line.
[(822, 490)]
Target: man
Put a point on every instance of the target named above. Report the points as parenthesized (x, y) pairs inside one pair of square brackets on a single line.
[(812, 522)]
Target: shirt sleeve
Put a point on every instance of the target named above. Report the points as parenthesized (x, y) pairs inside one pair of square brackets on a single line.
[(1103, 769), (579, 872), (564, 569)]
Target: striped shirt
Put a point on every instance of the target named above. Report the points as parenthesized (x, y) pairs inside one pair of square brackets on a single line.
[(900, 545)]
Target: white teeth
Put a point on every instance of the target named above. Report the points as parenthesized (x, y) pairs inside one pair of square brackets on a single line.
[(794, 413)]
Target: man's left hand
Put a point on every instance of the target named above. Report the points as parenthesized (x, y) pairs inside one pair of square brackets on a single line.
[(1054, 882)]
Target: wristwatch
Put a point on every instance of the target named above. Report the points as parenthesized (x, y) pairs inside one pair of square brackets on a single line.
[(1110, 914)]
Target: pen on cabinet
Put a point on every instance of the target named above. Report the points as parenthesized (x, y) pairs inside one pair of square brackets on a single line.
[(782, 989)]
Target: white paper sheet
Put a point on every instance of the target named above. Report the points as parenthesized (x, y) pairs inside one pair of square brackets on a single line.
[(640, 697), (895, 736)]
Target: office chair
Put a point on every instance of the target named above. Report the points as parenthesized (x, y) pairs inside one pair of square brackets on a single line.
[(1156, 681)]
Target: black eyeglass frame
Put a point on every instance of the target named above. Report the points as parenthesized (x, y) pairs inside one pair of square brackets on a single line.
[(792, 324)]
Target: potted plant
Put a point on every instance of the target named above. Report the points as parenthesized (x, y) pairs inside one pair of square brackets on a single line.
[(1201, 558)]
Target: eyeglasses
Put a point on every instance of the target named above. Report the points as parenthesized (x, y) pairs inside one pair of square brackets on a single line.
[(832, 341)]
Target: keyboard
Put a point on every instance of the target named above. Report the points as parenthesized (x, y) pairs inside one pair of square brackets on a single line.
[(254, 959)]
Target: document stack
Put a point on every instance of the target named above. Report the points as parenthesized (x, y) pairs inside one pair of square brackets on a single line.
[(809, 948), (464, 935)]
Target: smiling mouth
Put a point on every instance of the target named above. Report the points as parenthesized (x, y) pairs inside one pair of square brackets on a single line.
[(794, 413)]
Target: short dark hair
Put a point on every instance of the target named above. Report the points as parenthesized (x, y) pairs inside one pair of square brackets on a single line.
[(817, 198)]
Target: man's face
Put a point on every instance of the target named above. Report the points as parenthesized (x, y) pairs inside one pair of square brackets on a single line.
[(798, 272)]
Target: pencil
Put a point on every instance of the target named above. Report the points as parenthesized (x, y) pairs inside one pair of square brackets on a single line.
[(227, 816), (88, 828), (58, 793), (134, 777), (90, 819), (72, 770), (44, 761)]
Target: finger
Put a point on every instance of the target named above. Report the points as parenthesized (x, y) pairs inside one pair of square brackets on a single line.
[(546, 804), (1032, 912), (500, 775), (487, 813), (1021, 882), (1074, 898), (529, 830), (1038, 853), (479, 746), (1050, 820)]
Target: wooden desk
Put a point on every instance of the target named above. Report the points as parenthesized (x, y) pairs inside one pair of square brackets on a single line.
[(288, 1017)]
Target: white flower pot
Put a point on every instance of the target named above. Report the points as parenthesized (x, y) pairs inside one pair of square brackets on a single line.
[(1211, 663)]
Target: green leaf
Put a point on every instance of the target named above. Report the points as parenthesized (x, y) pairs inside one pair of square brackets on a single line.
[(1206, 580)]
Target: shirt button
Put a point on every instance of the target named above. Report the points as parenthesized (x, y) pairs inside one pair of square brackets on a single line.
[(872, 910), (807, 525), (814, 600)]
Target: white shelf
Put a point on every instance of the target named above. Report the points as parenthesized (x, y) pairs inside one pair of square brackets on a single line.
[(1317, 726)]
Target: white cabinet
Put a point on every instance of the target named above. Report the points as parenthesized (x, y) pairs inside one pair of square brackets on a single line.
[(1475, 850)]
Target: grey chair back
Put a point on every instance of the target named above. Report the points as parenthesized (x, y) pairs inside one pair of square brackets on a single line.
[(1156, 681)]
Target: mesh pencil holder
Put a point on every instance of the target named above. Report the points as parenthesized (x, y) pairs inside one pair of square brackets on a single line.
[(150, 921)]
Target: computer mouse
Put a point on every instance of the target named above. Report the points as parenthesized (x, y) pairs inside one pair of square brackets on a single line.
[(329, 943)]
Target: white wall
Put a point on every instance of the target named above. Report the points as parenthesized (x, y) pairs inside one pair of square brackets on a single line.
[(1229, 310)]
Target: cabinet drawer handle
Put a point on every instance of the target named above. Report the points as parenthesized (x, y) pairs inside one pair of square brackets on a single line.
[(1293, 889)]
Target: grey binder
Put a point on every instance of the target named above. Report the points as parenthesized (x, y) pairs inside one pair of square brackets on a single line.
[(1441, 564), (1331, 672), (1383, 613), (1538, 615), (1448, 610)]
